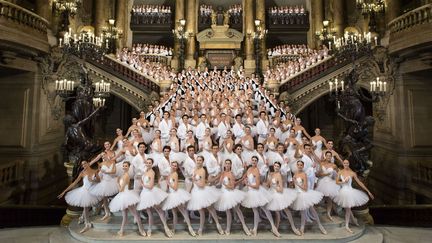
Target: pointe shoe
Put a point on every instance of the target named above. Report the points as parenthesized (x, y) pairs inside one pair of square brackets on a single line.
[(192, 232), (323, 231), (199, 232), (246, 230), (168, 232), (253, 232), (349, 230), (120, 233), (142, 233), (227, 232), (149, 233), (330, 217), (81, 220), (301, 231), (355, 222), (87, 227), (107, 216), (296, 232), (275, 232), (219, 229)]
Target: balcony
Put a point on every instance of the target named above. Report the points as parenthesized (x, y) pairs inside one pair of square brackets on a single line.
[(411, 30), (19, 25)]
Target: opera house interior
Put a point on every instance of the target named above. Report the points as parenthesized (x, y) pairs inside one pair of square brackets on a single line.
[(257, 120)]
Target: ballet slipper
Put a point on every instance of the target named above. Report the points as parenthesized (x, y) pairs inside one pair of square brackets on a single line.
[(246, 230), (330, 217), (142, 233), (120, 233), (107, 216), (323, 231), (349, 230), (81, 220), (86, 228), (227, 232), (219, 229), (275, 232), (192, 232), (355, 222), (296, 232), (149, 233), (168, 232), (253, 232), (199, 232)]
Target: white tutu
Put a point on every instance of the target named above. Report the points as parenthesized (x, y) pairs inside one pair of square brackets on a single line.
[(105, 188), (81, 197), (150, 198), (203, 197), (306, 199), (349, 197), (256, 197), (328, 187), (176, 198), (229, 199), (280, 201), (123, 200)]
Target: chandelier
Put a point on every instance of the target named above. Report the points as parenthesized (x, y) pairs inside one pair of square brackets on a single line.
[(69, 6), (371, 6)]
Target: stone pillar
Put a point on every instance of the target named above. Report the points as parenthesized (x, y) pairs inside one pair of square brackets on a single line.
[(191, 21), (43, 9), (179, 14), (338, 17), (102, 10), (249, 28), (121, 14), (392, 10), (316, 17), (260, 14)]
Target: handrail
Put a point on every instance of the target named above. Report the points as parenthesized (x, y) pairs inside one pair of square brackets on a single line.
[(416, 16), (23, 16)]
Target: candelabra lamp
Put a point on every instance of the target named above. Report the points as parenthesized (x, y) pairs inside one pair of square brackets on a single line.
[(258, 36), (326, 35), (110, 35), (65, 9), (180, 34)]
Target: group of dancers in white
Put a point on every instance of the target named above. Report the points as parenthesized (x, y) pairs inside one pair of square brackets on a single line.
[(218, 143)]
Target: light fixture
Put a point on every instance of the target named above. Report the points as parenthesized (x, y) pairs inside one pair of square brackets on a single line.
[(371, 6), (111, 21), (257, 22), (326, 23), (182, 22)]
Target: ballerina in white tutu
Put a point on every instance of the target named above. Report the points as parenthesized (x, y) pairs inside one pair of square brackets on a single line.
[(230, 198), (203, 196), (126, 200), (176, 199), (81, 196), (281, 198), (107, 186), (151, 197), (306, 198), (118, 141), (349, 197), (326, 184), (257, 197)]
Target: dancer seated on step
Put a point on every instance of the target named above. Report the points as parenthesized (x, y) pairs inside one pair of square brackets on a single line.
[(126, 200), (230, 198), (257, 196), (280, 198), (349, 197), (306, 198), (151, 197), (176, 199), (81, 196), (203, 196)]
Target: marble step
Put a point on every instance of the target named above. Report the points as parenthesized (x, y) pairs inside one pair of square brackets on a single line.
[(312, 234)]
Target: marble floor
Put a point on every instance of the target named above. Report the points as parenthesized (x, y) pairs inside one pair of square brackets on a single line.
[(372, 234)]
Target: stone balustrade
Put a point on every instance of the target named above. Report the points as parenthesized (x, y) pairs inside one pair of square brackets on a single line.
[(11, 179), (413, 28), (13, 13)]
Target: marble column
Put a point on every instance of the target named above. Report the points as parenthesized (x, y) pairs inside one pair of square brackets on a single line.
[(392, 10), (102, 10), (338, 17), (44, 8), (191, 21), (121, 14), (249, 28), (179, 14), (316, 18), (260, 14)]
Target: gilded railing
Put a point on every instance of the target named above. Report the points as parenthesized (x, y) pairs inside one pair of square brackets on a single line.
[(22, 17)]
